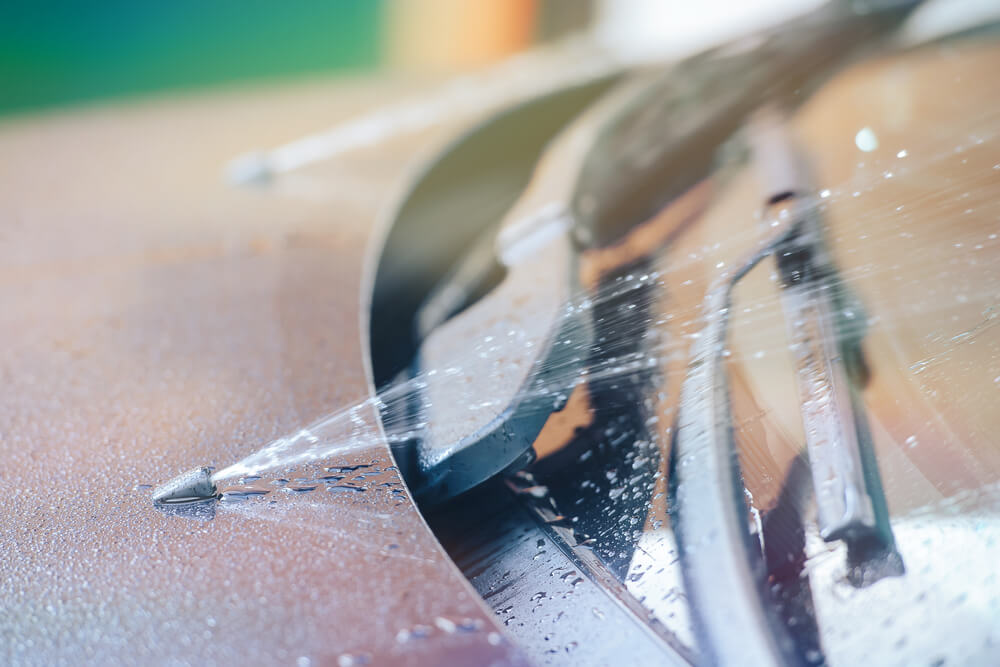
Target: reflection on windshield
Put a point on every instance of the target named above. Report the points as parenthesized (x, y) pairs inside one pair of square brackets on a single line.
[(911, 219)]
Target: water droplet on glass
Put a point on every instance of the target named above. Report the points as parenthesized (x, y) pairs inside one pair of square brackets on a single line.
[(866, 140)]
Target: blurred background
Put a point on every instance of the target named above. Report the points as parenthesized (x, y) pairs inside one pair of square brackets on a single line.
[(59, 52)]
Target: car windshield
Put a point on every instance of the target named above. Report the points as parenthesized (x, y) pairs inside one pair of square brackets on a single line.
[(856, 366)]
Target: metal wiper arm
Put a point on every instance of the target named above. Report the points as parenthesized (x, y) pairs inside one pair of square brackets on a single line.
[(723, 569)]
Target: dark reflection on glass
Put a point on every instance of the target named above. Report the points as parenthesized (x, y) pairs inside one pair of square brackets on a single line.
[(614, 459)]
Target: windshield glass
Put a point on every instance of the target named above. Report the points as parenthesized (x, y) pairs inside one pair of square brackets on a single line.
[(899, 156)]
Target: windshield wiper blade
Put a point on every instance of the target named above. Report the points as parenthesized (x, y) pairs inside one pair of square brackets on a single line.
[(723, 569)]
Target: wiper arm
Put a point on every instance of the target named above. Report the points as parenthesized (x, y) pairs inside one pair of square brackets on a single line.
[(723, 570)]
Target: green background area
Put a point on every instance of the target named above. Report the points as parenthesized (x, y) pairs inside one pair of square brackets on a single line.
[(54, 52)]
